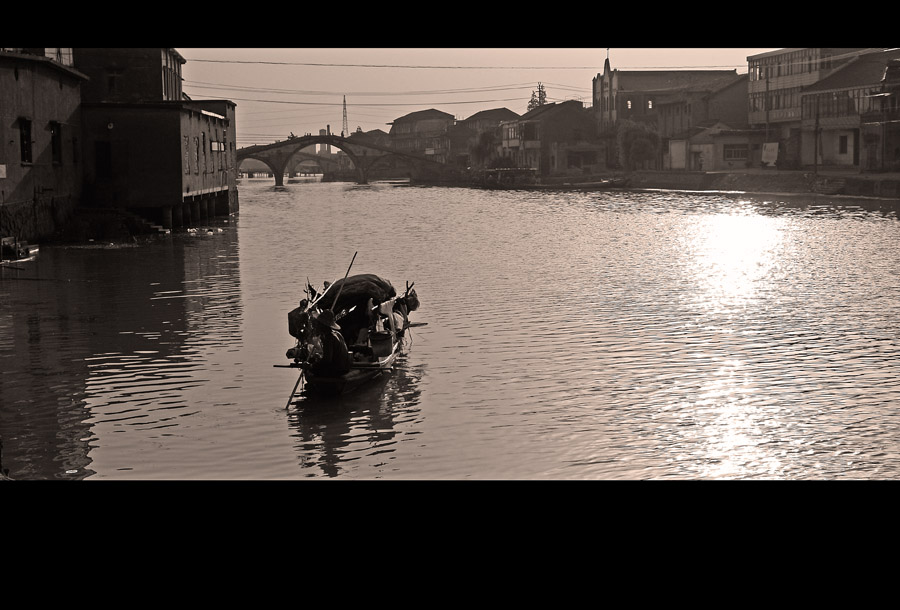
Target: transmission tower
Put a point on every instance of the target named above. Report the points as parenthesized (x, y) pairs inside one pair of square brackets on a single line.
[(345, 128)]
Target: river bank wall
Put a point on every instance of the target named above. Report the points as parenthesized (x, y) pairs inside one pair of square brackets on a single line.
[(85, 224), (886, 186)]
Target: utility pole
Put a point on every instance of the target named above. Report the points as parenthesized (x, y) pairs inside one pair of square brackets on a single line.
[(345, 128), (816, 141)]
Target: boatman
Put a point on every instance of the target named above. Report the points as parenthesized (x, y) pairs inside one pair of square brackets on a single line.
[(335, 359)]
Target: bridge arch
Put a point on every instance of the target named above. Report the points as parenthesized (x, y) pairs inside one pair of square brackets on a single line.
[(363, 155)]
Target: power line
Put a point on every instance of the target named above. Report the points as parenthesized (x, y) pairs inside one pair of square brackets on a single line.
[(418, 67), (295, 102), (506, 87)]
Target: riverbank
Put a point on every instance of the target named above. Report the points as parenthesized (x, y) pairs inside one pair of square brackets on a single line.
[(773, 181), (90, 224)]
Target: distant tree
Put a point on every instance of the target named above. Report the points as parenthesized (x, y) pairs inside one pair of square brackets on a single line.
[(484, 147), (538, 98), (637, 143)]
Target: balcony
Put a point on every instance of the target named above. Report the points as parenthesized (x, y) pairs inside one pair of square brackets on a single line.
[(877, 117)]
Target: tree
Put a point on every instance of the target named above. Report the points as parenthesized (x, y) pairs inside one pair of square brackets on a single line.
[(483, 149), (637, 144), (538, 98)]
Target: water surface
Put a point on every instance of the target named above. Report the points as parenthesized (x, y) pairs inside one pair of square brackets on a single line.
[(606, 335)]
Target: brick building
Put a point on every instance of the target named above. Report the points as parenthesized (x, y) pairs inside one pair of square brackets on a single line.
[(148, 148), (41, 135)]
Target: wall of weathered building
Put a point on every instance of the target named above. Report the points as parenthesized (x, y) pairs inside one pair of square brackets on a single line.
[(38, 194)]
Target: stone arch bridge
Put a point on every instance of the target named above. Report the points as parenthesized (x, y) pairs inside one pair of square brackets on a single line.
[(363, 155)]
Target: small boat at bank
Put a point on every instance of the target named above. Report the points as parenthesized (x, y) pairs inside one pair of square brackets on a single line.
[(14, 251), (527, 179), (596, 185), (372, 320)]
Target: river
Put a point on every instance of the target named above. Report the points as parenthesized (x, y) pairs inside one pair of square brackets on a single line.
[(567, 336)]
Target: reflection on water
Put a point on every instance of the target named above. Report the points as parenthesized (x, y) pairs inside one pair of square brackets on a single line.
[(611, 335), (365, 425)]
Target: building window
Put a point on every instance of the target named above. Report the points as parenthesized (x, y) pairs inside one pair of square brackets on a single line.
[(196, 155), (25, 140), (55, 142), (628, 104), (60, 55), (842, 145), (735, 152), (649, 104), (112, 81), (103, 159), (187, 155)]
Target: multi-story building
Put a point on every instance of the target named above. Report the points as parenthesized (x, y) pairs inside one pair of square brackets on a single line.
[(481, 139), (723, 100), (636, 95), (41, 132), (149, 148), (775, 91), (705, 127), (553, 139), (425, 132), (881, 125), (845, 116)]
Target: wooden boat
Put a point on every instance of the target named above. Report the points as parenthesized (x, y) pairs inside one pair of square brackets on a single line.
[(14, 251), (506, 178), (373, 320), (581, 186), (362, 370), (526, 179)]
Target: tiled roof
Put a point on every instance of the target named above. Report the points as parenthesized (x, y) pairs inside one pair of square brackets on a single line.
[(864, 70), (495, 114), (550, 109), (421, 115), (662, 80)]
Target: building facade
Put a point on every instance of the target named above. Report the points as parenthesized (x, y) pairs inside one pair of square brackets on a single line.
[(553, 139), (845, 115), (41, 132), (638, 95), (150, 149), (482, 137), (881, 125), (775, 91), (724, 100), (425, 132)]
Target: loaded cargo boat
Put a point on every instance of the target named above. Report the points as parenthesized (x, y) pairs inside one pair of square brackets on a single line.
[(369, 326)]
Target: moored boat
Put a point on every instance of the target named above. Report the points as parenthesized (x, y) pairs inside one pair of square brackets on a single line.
[(14, 251), (527, 179), (597, 185)]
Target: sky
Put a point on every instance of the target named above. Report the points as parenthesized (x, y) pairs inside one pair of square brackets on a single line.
[(284, 91)]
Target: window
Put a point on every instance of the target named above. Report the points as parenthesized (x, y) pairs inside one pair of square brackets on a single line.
[(735, 152), (842, 145), (25, 139), (628, 104), (649, 104), (113, 78), (196, 155), (55, 142), (103, 156), (187, 155)]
